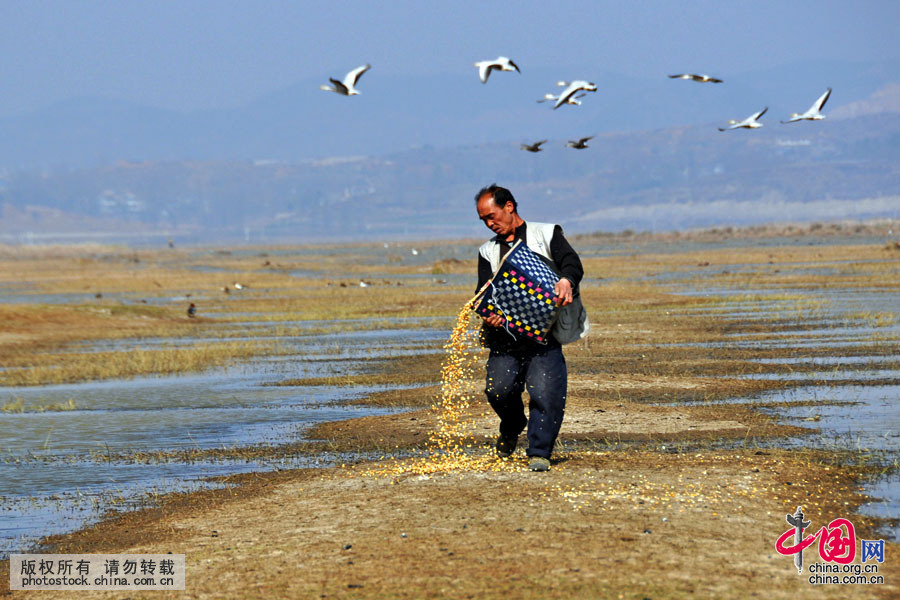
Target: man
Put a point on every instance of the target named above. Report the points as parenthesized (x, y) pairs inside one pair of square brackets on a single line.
[(519, 363)]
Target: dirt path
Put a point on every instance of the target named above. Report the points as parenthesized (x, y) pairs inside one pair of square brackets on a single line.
[(598, 525)]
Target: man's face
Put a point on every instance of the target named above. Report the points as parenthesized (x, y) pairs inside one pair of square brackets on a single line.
[(499, 220)]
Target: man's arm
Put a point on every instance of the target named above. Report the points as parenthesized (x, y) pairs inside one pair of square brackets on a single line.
[(484, 272), (565, 257), (484, 275), (569, 266)]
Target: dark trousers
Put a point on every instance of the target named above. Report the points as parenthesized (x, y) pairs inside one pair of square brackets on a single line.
[(541, 370)]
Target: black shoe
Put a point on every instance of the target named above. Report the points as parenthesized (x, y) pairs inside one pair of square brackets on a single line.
[(506, 445), (539, 463)]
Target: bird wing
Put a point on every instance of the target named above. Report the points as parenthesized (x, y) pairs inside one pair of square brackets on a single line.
[(759, 114), (514, 66), (679, 76), (354, 75), (822, 100), (583, 140), (484, 71), (564, 97), (339, 86), (714, 80)]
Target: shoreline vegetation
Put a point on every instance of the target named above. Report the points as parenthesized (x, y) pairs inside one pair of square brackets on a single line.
[(660, 488)]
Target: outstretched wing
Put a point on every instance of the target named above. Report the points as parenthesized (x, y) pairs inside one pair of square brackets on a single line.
[(484, 70), (564, 97), (514, 66), (822, 100), (339, 86), (354, 75), (759, 114)]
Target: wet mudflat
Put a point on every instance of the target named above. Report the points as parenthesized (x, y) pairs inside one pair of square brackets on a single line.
[(709, 398)]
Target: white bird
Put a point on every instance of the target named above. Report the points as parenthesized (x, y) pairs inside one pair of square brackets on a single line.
[(348, 86), (697, 78), (415, 252), (363, 284), (750, 122), (814, 112), (501, 63), (535, 147), (572, 100), (572, 88), (580, 144)]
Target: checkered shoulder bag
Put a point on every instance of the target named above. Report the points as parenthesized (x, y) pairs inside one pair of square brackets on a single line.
[(521, 291)]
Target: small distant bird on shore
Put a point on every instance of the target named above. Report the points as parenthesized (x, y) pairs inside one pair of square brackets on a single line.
[(347, 87), (501, 63), (697, 78), (192, 310), (363, 284), (750, 122), (580, 144), (814, 113), (576, 99), (535, 147), (573, 88), (414, 252), (240, 286)]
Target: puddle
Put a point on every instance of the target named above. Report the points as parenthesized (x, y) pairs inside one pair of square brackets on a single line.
[(835, 375), (45, 456), (886, 505), (857, 418)]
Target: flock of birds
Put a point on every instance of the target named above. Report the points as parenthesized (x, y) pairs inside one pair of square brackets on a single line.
[(576, 90)]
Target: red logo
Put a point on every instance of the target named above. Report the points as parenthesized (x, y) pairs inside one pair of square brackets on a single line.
[(834, 545)]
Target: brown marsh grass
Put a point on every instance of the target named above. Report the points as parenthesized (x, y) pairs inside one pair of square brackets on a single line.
[(71, 367)]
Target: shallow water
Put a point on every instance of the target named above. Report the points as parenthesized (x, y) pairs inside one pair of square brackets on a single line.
[(46, 456), (864, 418)]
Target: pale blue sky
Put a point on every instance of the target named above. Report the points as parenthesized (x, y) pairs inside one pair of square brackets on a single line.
[(187, 55)]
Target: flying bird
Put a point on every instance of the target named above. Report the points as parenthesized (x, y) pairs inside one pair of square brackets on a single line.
[(572, 88), (348, 86), (535, 147), (697, 78), (572, 100), (501, 63), (581, 144), (750, 122), (814, 112)]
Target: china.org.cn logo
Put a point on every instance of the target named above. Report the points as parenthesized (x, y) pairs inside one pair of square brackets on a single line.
[(837, 551)]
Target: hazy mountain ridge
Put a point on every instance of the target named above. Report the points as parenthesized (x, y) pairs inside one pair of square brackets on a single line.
[(661, 179)]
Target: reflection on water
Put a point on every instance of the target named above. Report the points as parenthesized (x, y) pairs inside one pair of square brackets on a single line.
[(847, 417), (53, 476)]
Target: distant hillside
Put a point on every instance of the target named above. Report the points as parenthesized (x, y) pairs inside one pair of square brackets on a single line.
[(662, 179)]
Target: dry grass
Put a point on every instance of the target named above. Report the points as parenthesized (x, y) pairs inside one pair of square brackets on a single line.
[(72, 367)]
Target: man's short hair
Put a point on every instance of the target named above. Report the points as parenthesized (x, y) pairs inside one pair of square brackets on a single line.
[(500, 195)]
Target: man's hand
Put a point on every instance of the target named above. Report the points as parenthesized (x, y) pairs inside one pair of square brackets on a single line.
[(495, 320), (563, 289)]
